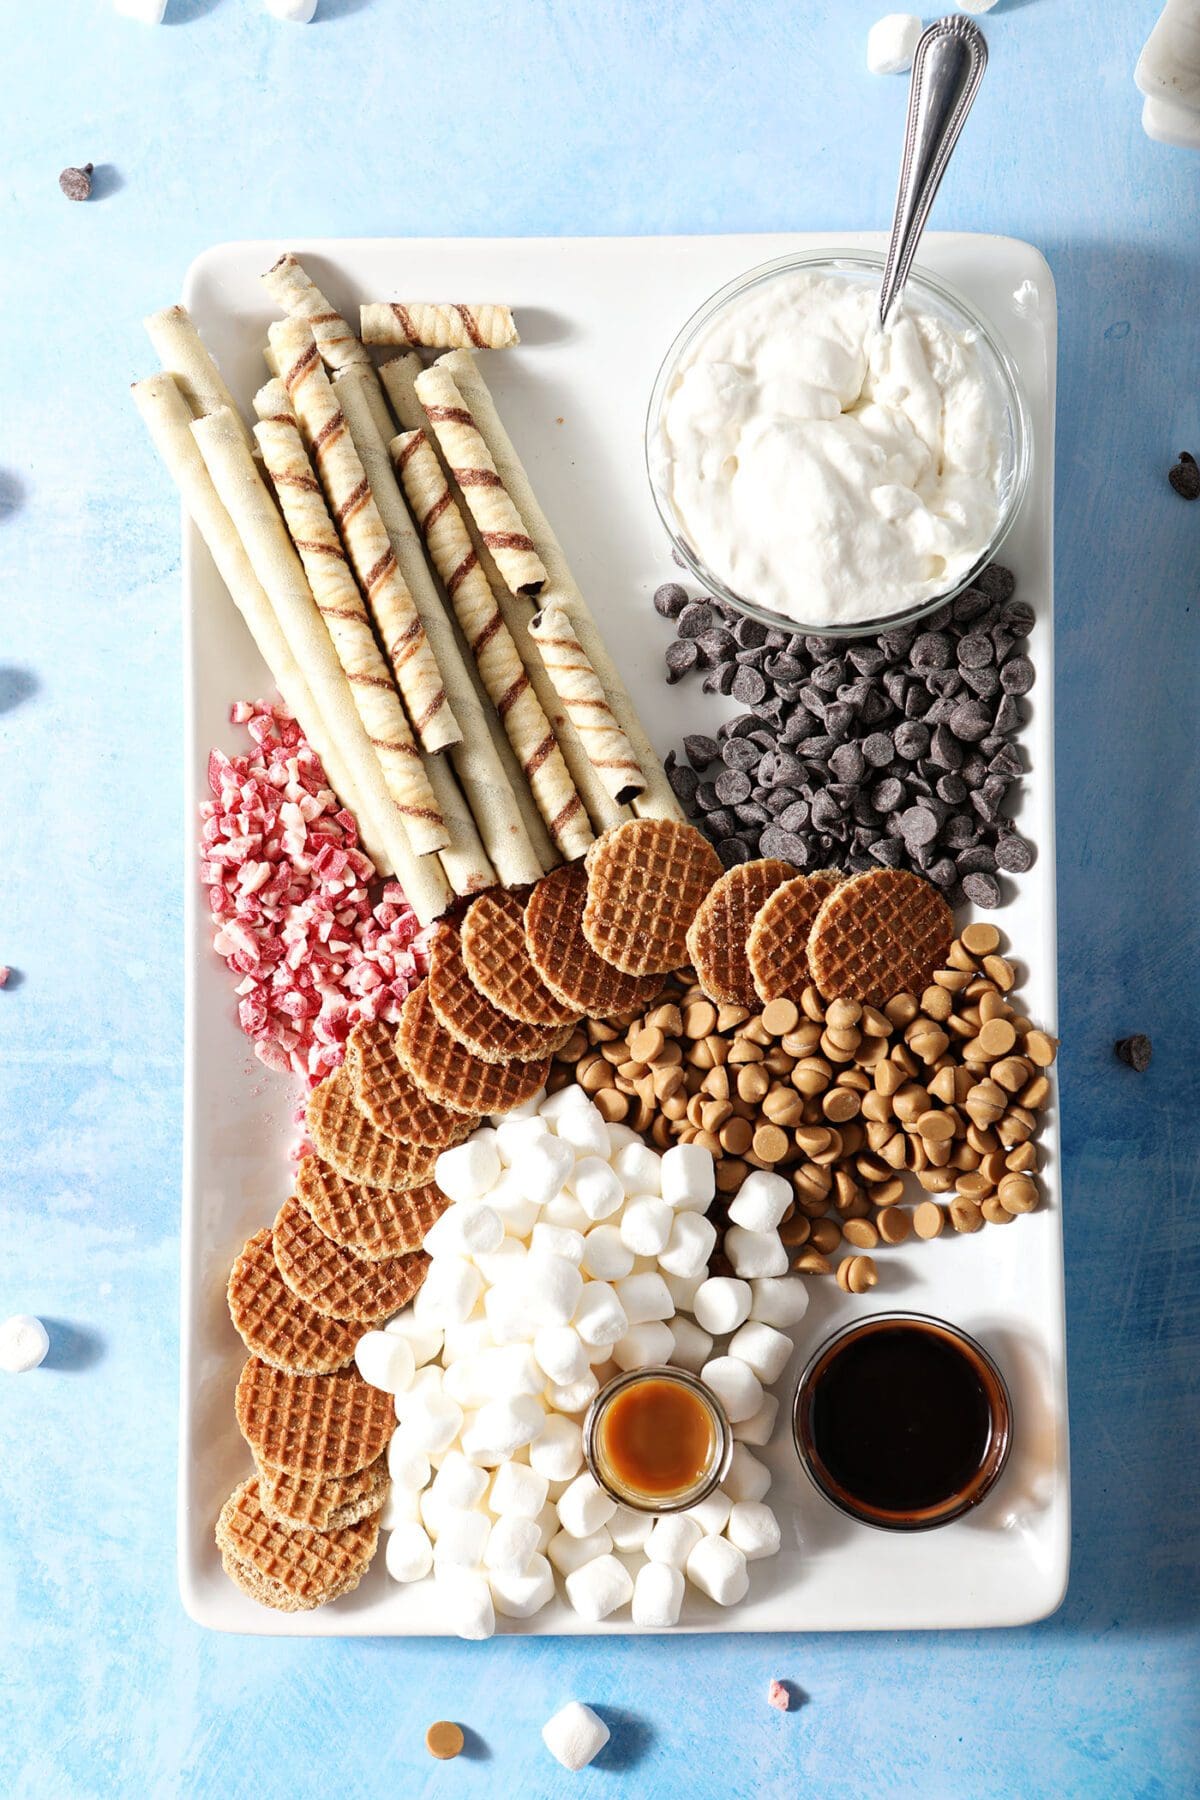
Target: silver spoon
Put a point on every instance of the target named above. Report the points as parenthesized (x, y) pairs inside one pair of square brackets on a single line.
[(947, 69)]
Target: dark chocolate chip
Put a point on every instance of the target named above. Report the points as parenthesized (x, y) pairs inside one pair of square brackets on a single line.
[(76, 184), (887, 850), (919, 826), (970, 721), (776, 841), (984, 682), (739, 753), (733, 850), (979, 860), (932, 650), (848, 762), (975, 651), (942, 873), (1184, 477), (952, 789), (1135, 1051), (682, 656), (1017, 618), (733, 786), (1013, 854), (750, 634), (911, 739), (748, 688), (877, 750), (684, 782), (887, 794), (982, 890), (696, 618), (996, 582), (700, 750), (670, 599), (1016, 677)]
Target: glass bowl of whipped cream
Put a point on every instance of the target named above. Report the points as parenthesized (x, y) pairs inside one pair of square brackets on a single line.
[(822, 475)]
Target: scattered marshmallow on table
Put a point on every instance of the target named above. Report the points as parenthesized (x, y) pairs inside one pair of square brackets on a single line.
[(469, 1228), (689, 1180), (755, 1254), (466, 1598), (544, 1165), (408, 1465), (657, 1595), (558, 1240), (431, 1421), (521, 1596), (645, 1346), (517, 1491), (401, 1506), (764, 1349), (515, 1135), (575, 1735), (761, 1201), (673, 1539), (585, 1506), (753, 1527), (891, 43), (599, 1588), (564, 1210), (149, 12), (683, 1288), (24, 1342), (718, 1569), (746, 1478), (721, 1304), (409, 1553), (552, 1288), (385, 1362)]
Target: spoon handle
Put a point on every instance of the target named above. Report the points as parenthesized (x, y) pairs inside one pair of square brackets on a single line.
[(947, 69)]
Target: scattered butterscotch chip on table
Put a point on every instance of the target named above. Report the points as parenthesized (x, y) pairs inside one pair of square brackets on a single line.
[(445, 1740)]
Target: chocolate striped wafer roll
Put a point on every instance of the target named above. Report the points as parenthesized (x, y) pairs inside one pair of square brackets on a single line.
[(341, 605), (578, 687), (291, 288), (364, 534), (500, 524), (501, 669), (182, 353), (428, 325)]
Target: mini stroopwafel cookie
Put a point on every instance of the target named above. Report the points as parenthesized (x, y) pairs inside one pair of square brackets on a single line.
[(719, 933), (333, 1279), (879, 934), (390, 1098), (292, 1571), (486, 1031), (376, 1223), (646, 881), (451, 1074), (497, 960), (345, 1137), (565, 960), (322, 1505), (277, 1324), (312, 1425), (777, 947)]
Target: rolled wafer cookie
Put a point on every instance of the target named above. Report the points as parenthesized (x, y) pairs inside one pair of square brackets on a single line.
[(291, 287), (168, 418), (578, 687), (182, 354), (499, 662), (500, 523), (425, 325), (341, 605), (242, 491), (656, 801), (353, 506)]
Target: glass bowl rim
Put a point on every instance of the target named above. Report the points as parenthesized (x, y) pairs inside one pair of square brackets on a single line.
[(722, 1456)]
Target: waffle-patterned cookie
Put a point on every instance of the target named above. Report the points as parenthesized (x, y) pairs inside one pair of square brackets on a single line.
[(879, 934), (322, 1505), (497, 960), (718, 935), (376, 1223), (312, 1425), (565, 960), (448, 1071), (277, 1324), (333, 1279), (459, 1006), (292, 1571), (646, 882), (390, 1098), (345, 1137), (777, 945)]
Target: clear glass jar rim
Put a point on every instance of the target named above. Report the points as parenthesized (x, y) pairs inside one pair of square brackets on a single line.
[(722, 1448)]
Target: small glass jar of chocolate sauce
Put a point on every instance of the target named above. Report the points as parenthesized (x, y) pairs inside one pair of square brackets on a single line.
[(657, 1439), (902, 1421)]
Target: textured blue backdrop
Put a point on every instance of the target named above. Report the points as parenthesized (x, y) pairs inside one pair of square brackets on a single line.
[(539, 117)]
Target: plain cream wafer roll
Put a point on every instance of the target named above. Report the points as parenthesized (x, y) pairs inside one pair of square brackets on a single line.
[(365, 536), (399, 377), (291, 288), (578, 687), (168, 418), (183, 355), (256, 520), (656, 801), (427, 325), (504, 675), (499, 799), (499, 520), (341, 606)]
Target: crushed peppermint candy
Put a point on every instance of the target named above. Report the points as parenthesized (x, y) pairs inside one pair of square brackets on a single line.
[(778, 1695), (5, 972), (289, 892)]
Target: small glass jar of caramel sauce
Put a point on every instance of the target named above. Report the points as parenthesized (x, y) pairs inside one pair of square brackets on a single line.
[(657, 1439)]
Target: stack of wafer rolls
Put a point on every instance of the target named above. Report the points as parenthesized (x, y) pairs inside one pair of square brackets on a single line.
[(425, 325), (300, 298), (579, 688), (183, 355)]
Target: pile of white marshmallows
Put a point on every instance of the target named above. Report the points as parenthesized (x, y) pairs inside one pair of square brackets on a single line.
[(571, 1250)]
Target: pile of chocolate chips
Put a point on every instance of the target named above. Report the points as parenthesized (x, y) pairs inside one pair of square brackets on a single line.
[(893, 751)]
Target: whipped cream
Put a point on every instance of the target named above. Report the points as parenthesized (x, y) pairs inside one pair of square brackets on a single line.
[(824, 469)]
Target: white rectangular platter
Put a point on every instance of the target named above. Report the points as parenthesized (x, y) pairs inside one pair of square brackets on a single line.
[(596, 316)]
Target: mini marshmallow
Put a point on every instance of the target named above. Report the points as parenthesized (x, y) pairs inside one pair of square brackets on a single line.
[(560, 1354), (385, 1362), (565, 1211), (692, 1241), (148, 12), (682, 1288), (599, 1588), (517, 1211), (462, 1535), (761, 1201), (779, 1300), (423, 1340), (470, 1170), (645, 1346), (673, 1539), (511, 1543), (528, 1109), (543, 1166), (646, 1225), (657, 1596), (547, 1524), (645, 1297), (401, 1506), (754, 1528), (464, 1341), (408, 1464), (585, 1506), (459, 1482), (431, 1512), (470, 1228), (294, 12), (759, 1428), (584, 1129), (711, 1514), (520, 1596), (464, 1600), (719, 1570), (569, 1553), (688, 1177), (515, 1135), (736, 1386), (746, 1478), (503, 1426), (501, 1263), (556, 1240), (766, 1350), (606, 1256), (755, 1254), (507, 1314), (507, 1372), (600, 1318), (597, 1188), (693, 1345), (638, 1168), (891, 43), (449, 1292), (409, 1553), (572, 1396), (575, 1736), (722, 1303), (432, 1421), (551, 1288), (557, 1452), (629, 1528), (517, 1491), (556, 1106)]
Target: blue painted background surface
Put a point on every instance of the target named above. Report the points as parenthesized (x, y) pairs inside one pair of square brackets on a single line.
[(470, 116)]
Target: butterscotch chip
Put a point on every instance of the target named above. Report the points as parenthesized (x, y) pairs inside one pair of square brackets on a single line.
[(1017, 1194), (357, 1149), (451, 1074), (1040, 1048), (564, 960), (292, 1571), (770, 1144), (980, 940), (777, 948), (861, 1233), (718, 937), (647, 1045), (302, 1504), (390, 1098), (855, 1274), (645, 883), (312, 1425), (497, 959), (893, 1224), (376, 1223), (879, 935), (470, 1018), (276, 1324), (965, 1214), (995, 1211), (996, 1038), (336, 1281), (444, 1740), (928, 1219), (699, 1019)]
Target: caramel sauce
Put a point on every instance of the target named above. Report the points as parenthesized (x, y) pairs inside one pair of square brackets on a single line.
[(657, 1438)]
